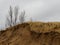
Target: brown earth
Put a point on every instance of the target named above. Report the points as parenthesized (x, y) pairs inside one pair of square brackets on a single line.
[(32, 33)]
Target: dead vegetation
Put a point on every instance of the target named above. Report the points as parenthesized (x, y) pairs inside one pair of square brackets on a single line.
[(32, 33)]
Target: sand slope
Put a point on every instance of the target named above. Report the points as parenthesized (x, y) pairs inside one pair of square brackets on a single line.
[(32, 33)]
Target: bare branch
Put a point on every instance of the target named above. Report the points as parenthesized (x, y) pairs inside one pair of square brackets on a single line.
[(11, 15)]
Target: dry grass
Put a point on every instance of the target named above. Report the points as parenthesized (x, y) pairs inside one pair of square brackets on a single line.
[(32, 33), (45, 27)]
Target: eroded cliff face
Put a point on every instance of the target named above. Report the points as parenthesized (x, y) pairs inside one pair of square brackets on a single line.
[(27, 34)]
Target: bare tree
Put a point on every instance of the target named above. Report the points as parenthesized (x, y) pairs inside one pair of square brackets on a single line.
[(11, 19), (16, 14), (22, 17)]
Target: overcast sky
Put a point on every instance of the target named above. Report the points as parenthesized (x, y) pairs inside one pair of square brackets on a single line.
[(38, 10)]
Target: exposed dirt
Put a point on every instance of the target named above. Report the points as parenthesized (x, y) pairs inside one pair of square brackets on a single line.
[(32, 33)]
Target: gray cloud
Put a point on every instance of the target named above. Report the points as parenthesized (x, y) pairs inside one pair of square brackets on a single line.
[(39, 10)]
